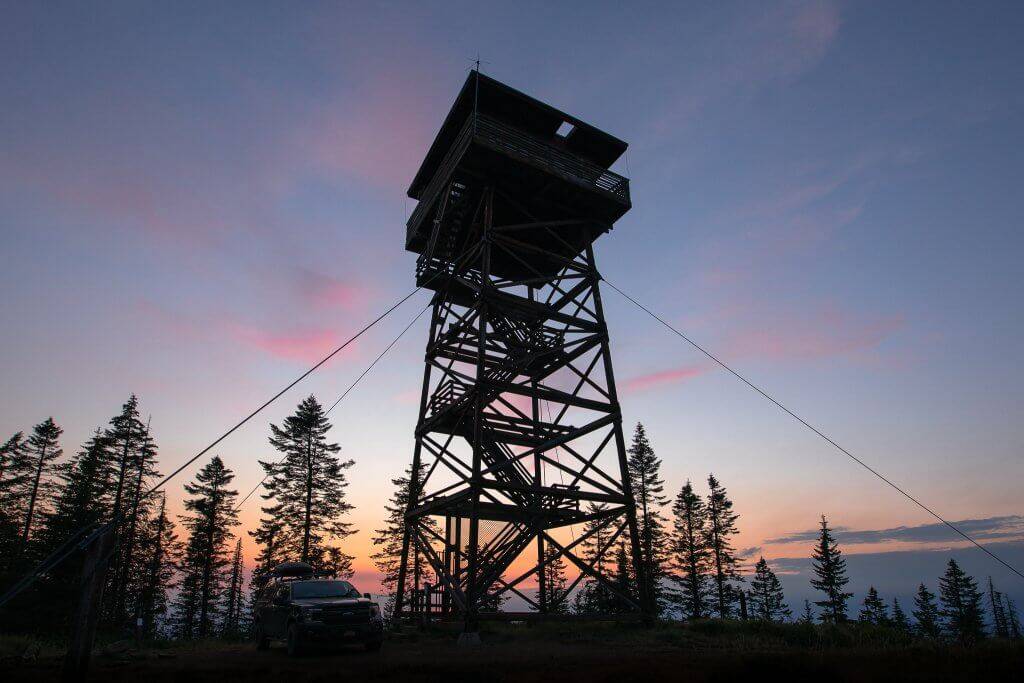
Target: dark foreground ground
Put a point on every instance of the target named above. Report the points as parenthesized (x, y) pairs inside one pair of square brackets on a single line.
[(558, 652)]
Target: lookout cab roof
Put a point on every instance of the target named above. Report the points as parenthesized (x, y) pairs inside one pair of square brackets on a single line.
[(499, 101)]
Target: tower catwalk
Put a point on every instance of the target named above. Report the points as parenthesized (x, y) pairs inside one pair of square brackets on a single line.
[(519, 442)]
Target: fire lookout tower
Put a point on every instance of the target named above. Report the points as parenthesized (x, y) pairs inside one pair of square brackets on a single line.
[(519, 446)]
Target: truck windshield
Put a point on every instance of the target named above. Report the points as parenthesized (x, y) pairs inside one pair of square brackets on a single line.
[(323, 589)]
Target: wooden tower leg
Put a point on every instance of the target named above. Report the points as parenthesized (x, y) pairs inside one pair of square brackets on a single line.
[(87, 612)]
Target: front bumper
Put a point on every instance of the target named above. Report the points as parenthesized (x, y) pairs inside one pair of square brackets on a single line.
[(341, 633)]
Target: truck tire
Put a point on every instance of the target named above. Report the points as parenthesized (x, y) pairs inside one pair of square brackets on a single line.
[(294, 641), (262, 642)]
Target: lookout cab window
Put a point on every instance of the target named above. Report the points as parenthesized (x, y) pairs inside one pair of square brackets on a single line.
[(564, 130)]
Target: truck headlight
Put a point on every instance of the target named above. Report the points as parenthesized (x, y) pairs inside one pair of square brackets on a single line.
[(309, 613)]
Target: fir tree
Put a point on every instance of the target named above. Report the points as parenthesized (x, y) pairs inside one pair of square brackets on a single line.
[(873, 611), (899, 618), (593, 597), (830, 568), (961, 605), (161, 556), (926, 613), (307, 485), (690, 556), (388, 543), (623, 576), (42, 449), (767, 602), (233, 600), (554, 581), (999, 622), (1012, 620), (648, 488), (211, 515), (14, 472), (720, 527), (808, 615)]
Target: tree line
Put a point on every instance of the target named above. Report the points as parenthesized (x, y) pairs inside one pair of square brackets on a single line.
[(183, 576), (180, 577)]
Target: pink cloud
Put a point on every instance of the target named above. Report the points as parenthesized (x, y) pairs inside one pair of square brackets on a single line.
[(325, 291), (307, 345), (662, 377)]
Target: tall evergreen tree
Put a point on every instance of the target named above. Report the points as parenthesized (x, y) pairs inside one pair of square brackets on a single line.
[(767, 602), (1000, 626), (42, 449), (307, 485), (160, 559), (899, 618), (233, 600), (623, 578), (648, 489), (690, 556), (138, 507), (926, 613), (830, 568), (554, 581), (210, 516), (808, 615), (14, 472), (1012, 620), (961, 605), (593, 597), (873, 611), (388, 543), (720, 527), (124, 436)]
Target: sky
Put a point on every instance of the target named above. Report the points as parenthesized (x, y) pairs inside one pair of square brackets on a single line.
[(199, 200)]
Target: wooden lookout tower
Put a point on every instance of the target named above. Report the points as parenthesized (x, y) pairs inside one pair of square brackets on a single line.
[(519, 443)]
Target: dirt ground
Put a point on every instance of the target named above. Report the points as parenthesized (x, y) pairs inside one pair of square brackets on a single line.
[(533, 659)]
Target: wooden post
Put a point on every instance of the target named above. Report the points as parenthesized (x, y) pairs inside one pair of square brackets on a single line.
[(87, 612)]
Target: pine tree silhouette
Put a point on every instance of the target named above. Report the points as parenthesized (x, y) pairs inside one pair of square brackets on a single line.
[(900, 622), (648, 488), (873, 610), (926, 613), (43, 447), (830, 568), (766, 599), (961, 605), (690, 556), (720, 527), (307, 487)]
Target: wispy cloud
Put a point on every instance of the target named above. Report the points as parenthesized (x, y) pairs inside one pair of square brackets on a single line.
[(663, 377), (988, 528)]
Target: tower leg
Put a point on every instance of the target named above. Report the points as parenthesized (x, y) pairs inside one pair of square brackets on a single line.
[(87, 612)]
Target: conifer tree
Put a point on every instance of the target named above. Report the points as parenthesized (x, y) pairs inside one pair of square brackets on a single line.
[(720, 527), (623, 576), (808, 615), (873, 611), (1012, 620), (690, 556), (999, 623), (899, 618), (268, 538), (961, 605), (42, 449), (830, 568), (233, 600), (307, 485), (767, 602), (160, 558), (14, 472), (593, 597), (926, 613), (554, 581), (388, 542), (209, 519), (648, 489)]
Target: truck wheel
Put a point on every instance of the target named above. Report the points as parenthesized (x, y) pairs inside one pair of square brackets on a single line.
[(262, 642), (373, 645), (294, 641)]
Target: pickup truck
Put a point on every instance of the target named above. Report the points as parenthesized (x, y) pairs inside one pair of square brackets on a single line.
[(299, 608)]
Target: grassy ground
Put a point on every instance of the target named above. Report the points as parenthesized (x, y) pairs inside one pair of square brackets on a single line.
[(712, 651)]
